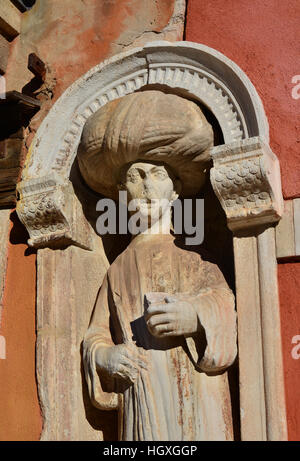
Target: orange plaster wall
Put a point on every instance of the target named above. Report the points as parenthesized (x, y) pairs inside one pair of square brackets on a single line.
[(289, 290), (262, 37), (72, 36), (19, 408)]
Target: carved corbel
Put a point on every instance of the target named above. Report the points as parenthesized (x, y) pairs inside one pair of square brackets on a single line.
[(246, 179), (52, 214)]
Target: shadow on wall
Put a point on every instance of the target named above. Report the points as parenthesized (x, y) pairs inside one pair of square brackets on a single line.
[(19, 235), (105, 421)]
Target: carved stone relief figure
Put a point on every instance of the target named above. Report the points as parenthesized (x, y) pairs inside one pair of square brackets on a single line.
[(163, 331)]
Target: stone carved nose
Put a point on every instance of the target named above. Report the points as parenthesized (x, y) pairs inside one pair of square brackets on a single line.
[(148, 184), (148, 189)]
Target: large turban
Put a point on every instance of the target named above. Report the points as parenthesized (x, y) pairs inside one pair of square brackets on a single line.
[(145, 126)]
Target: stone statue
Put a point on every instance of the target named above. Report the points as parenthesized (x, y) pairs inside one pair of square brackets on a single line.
[(163, 331)]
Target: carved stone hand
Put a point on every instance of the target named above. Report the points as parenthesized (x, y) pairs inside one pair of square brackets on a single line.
[(121, 361), (171, 318)]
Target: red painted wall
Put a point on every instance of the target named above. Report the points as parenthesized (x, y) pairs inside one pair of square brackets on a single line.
[(289, 287), (19, 408), (262, 37)]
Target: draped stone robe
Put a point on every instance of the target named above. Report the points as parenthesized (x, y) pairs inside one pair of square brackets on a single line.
[(185, 394)]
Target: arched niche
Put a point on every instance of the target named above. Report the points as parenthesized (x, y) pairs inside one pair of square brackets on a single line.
[(189, 69), (246, 180)]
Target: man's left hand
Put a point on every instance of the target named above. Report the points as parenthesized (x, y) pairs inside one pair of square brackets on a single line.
[(172, 318)]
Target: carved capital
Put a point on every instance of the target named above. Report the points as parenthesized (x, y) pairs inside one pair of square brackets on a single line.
[(246, 179), (52, 214)]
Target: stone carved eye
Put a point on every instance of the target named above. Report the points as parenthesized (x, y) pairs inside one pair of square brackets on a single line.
[(160, 174)]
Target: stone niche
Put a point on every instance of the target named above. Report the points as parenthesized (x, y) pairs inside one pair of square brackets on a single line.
[(243, 203)]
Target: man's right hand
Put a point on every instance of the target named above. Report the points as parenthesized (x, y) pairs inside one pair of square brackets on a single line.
[(121, 361)]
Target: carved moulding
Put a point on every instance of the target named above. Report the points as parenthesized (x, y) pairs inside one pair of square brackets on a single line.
[(246, 180), (185, 68), (51, 213)]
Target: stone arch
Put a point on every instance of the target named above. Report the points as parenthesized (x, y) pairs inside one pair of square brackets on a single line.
[(246, 179), (187, 68)]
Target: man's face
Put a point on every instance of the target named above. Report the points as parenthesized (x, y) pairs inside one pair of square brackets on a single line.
[(151, 187)]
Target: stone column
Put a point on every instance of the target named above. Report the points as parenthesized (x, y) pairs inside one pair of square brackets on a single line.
[(71, 264), (67, 286), (4, 232), (246, 180)]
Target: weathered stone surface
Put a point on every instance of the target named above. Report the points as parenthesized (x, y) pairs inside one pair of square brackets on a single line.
[(11, 160), (296, 203), (10, 20), (133, 71), (95, 30), (154, 136), (285, 234), (246, 179), (4, 53), (262, 399), (59, 134), (68, 281), (4, 229), (174, 392), (52, 213), (178, 66), (173, 30), (155, 296), (276, 421), (288, 231), (251, 372)]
